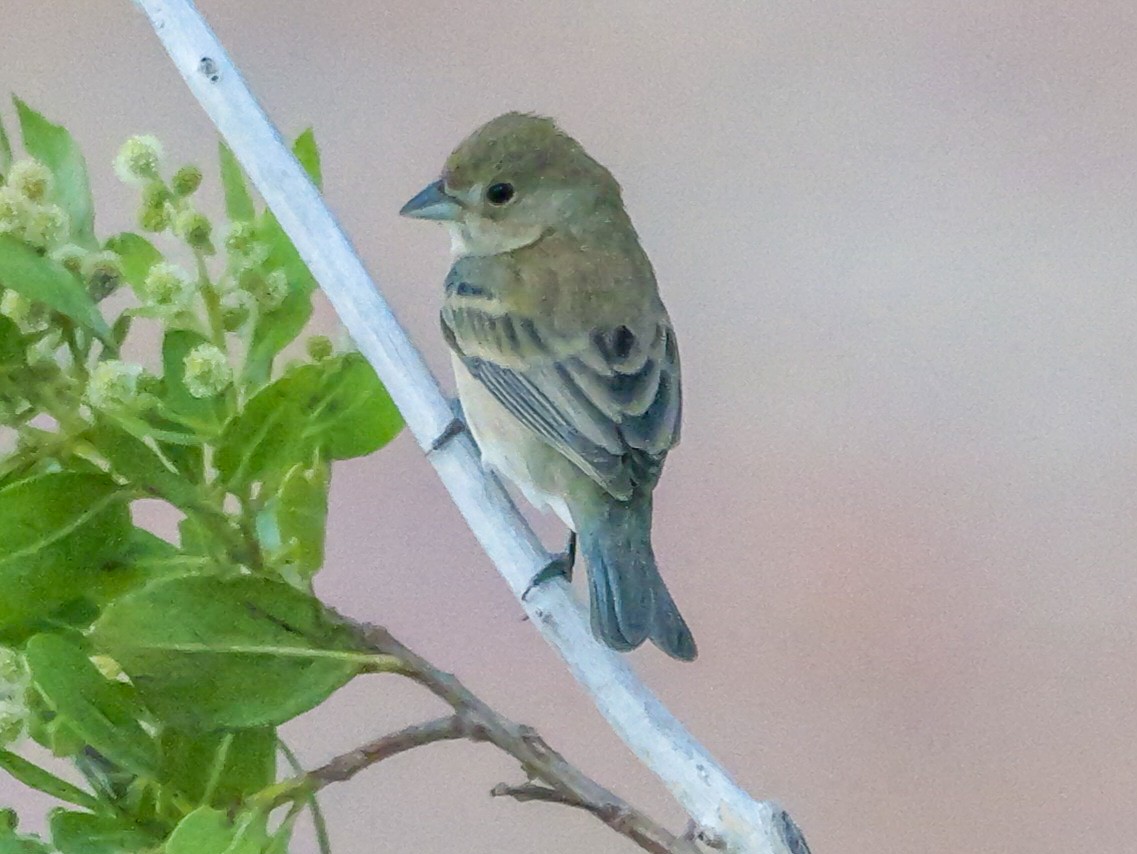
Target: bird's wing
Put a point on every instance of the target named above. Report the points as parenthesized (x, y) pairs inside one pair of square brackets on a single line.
[(609, 401)]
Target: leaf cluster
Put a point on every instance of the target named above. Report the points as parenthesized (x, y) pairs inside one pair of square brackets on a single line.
[(160, 670)]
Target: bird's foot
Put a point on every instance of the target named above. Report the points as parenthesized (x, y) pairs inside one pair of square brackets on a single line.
[(559, 567), (455, 428)]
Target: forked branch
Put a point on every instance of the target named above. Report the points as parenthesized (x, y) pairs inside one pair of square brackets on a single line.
[(551, 778)]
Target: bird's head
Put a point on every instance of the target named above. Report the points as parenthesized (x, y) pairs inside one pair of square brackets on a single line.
[(512, 181)]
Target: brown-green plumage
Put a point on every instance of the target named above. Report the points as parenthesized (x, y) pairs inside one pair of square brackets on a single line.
[(566, 362)]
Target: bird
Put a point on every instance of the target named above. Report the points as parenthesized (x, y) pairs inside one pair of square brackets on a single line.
[(565, 359)]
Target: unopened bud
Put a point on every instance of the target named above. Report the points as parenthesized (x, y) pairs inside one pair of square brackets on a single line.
[(194, 228), (113, 385), (102, 274), (320, 348), (139, 159), (186, 181)]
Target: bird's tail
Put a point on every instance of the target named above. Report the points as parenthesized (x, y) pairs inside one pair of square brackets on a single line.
[(630, 602)]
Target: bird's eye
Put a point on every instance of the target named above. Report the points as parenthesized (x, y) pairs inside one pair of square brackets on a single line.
[(499, 194)]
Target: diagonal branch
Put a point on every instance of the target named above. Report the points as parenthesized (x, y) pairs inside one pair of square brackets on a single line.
[(693, 776)]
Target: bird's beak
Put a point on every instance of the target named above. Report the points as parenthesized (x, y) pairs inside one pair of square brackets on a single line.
[(432, 202)]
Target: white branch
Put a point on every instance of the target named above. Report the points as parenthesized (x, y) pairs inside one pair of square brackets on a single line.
[(728, 818)]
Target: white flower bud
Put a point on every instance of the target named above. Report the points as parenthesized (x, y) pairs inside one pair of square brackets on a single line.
[(207, 371), (14, 211), (31, 179), (113, 385), (167, 288), (139, 159), (46, 225), (27, 314)]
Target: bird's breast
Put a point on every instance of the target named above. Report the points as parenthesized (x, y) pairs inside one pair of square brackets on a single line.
[(512, 449)]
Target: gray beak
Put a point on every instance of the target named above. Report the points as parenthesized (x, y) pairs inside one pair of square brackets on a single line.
[(432, 203)]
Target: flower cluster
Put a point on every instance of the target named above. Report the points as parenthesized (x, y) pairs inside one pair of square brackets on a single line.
[(207, 371), (26, 210), (164, 207), (114, 386)]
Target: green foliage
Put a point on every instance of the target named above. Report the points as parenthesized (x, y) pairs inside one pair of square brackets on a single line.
[(219, 768), (160, 670), (25, 271), (59, 531), (341, 407), (5, 150), (103, 713), (53, 146), (85, 833), (194, 644), (309, 156), (37, 778), (137, 254), (12, 842), (210, 831), (238, 201)]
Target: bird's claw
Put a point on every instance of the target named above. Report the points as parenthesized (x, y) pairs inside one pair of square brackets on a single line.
[(456, 427), (559, 567)]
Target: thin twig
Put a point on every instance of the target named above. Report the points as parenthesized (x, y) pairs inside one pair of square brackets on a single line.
[(559, 781), (347, 765), (475, 719), (319, 823), (619, 820)]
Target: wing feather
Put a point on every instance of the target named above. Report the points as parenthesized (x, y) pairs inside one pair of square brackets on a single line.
[(610, 402)]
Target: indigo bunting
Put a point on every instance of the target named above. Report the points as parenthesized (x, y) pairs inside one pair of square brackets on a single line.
[(566, 364)]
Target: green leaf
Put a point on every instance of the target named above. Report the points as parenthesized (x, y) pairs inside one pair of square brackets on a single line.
[(308, 153), (39, 278), (102, 712), (336, 407), (207, 414), (274, 331), (58, 531), (301, 516), (5, 150), (146, 558), (84, 833), (193, 537), (13, 349), (12, 842), (238, 201), (137, 255), (196, 646), (284, 255), (356, 415), (210, 831), (121, 328), (225, 766), (203, 831), (187, 459), (139, 464), (53, 146), (34, 777)]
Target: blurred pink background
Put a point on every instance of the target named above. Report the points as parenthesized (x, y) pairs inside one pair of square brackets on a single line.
[(898, 244)]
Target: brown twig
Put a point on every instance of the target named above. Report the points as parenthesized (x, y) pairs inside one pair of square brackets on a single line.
[(347, 765), (558, 781)]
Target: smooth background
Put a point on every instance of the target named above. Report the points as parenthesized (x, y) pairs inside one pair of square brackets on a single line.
[(897, 240)]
